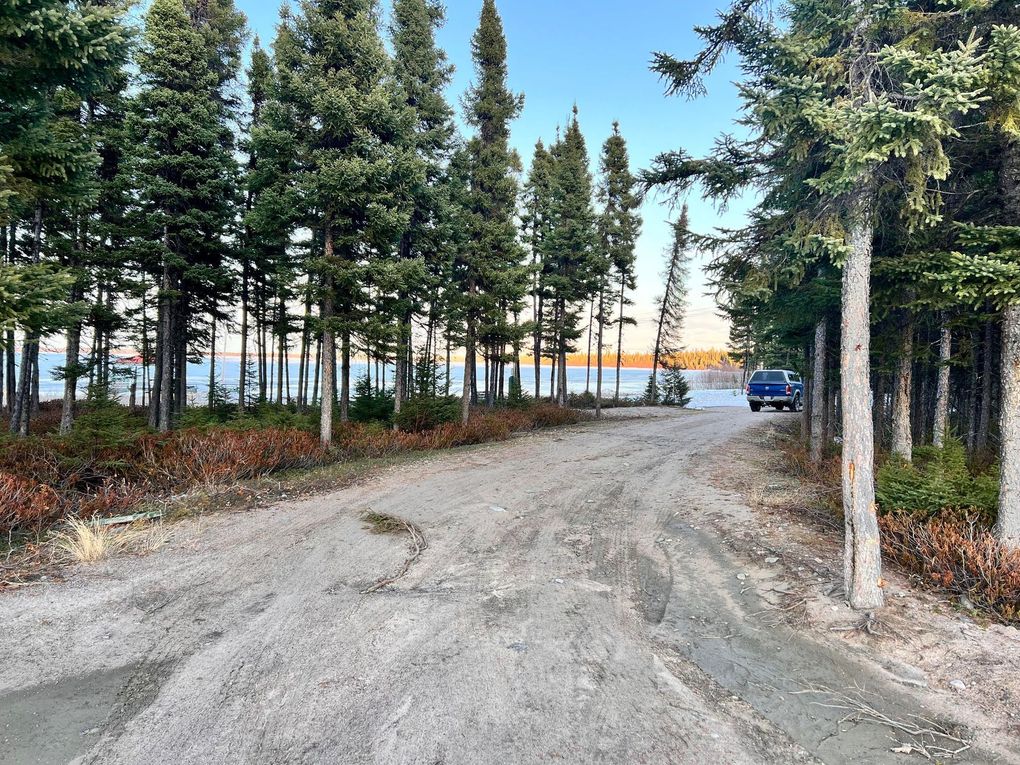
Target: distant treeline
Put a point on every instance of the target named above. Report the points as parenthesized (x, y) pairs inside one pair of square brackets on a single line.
[(704, 358)]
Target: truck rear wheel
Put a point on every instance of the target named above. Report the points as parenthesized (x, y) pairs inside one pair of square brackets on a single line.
[(755, 407)]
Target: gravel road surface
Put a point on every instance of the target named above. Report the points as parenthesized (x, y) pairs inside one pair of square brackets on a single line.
[(572, 606)]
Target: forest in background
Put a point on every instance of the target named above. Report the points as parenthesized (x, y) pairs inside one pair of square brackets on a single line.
[(882, 260), (166, 184), (165, 180)]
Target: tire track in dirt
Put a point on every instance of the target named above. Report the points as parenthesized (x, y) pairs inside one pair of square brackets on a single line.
[(565, 610)]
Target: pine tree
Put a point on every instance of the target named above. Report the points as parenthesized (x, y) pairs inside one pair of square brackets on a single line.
[(57, 57), (421, 73), (574, 265), (886, 116), (337, 75), (619, 227), (489, 270), (185, 174), (536, 222), (672, 305)]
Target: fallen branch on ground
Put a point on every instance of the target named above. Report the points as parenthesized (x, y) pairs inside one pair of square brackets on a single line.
[(928, 739), (382, 523)]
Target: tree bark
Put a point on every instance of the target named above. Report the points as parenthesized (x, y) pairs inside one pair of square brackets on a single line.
[(598, 350), (818, 393), (345, 376), (902, 438), (469, 362), (71, 370), (1007, 527), (985, 421), (591, 326), (327, 356), (862, 554), (242, 378), (400, 375), (619, 338), (941, 426), (212, 362)]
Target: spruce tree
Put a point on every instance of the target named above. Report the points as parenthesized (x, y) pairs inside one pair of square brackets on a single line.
[(887, 116), (619, 227), (54, 59), (536, 221), (489, 269), (672, 305), (185, 174), (574, 265), (337, 75), (421, 73)]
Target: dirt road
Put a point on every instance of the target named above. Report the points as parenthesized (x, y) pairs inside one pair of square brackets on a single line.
[(574, 605)]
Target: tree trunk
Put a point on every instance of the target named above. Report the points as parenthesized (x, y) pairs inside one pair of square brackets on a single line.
[(619, 337), (862, 553), (591, 327), (984, 423), (20, 416), (538, 349), (469, 358), (400, 375), (902, 438), (212, 362), (818, 393), (71, 370), (598, 350), (1007, 527), (941, 426), (327, 360), (11, 370), (345, 376), (242, 378)]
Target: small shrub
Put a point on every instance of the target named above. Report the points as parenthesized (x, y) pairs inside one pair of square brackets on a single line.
[(515, 398), (370, 405), (584, 400), (673, 387), (422, 414), (938, 480)]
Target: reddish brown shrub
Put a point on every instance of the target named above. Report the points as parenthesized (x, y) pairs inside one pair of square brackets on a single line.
[(26, 503), (957, 554), (46, 478)]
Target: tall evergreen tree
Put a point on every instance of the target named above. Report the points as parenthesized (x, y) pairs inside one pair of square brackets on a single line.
[(574, 264), (878, 128), (55, 57), (672, 304), (489, 269), (355, 162), (536, 221), (186, 177), (619, 227), (421, 73)]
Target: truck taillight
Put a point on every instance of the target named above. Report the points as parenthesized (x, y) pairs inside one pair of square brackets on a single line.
[(789, 390), (747, 390)]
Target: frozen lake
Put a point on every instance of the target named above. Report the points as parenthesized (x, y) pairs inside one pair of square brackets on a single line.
[(709, 388)]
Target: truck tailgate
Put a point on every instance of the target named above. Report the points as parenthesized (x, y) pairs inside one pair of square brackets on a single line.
[(768, 389)]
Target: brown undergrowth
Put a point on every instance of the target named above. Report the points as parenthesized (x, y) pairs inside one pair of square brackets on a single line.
[(46, 478), (951, 550)]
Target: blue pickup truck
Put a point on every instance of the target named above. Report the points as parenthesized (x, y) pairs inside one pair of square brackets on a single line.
[(779, 388)]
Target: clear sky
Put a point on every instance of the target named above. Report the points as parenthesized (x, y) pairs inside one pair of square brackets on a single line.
[(596, 53)]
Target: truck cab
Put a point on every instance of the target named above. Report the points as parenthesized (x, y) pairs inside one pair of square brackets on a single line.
[(778, 388)]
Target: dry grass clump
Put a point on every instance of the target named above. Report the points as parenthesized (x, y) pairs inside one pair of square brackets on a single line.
[(87, 542)]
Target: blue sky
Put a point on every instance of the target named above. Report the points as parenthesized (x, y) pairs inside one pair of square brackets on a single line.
[(596, 53)]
